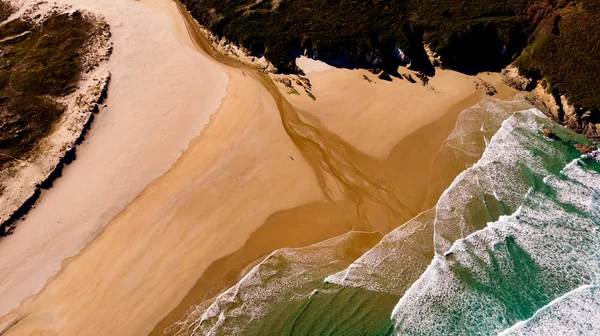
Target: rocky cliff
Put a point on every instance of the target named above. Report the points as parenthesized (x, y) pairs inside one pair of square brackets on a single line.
[(551, 42)]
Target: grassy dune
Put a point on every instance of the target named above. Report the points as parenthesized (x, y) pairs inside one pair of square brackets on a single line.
[(38, 64)]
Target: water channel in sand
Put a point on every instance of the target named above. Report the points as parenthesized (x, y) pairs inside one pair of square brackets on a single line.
[(328, 155), (180, 230)]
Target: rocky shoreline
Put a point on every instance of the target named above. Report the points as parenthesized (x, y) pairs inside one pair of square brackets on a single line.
[(556, 106), (21, 183)]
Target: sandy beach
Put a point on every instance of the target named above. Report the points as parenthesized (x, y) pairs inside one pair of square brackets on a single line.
[(264, 174), (136, 137)]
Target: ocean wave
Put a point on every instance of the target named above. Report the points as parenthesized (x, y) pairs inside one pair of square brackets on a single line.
[(512, 232), (403, 254), (269, 296), (474, 130), (371, 286), (575, 313), (516, 159), (502, 274), (396, 262)]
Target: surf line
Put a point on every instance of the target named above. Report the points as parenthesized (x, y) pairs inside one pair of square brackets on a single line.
[(327, 154)]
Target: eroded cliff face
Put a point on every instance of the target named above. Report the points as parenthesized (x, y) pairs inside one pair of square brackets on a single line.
[(554, 104), (553, 40)]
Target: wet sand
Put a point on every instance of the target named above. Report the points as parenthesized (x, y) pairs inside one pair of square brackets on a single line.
[(262, 174), (407, 167)]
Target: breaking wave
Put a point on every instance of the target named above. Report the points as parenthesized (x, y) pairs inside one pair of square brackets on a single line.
[(511, 246), (502, 272), (577, 312)]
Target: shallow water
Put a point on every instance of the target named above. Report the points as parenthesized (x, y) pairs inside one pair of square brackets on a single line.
[(577, 312), (268, 297)]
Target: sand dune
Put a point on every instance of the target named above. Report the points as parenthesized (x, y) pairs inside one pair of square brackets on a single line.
[(134, 139), (264, 174)]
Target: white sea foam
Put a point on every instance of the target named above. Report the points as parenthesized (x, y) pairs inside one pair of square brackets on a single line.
[(403, 254), (284, 277), (491, 279), (543, 212), (498, 182), (575, 313), (396, 262)]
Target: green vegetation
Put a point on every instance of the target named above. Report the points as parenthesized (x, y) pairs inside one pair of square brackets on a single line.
[(38, 63), (560, 37), (472, 34), (330, 27), (565, 50)]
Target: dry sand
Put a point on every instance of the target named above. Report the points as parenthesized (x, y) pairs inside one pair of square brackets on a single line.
[(375, 116), (134, 139), (257, 179)]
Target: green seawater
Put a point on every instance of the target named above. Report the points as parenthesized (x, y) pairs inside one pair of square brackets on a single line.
[(494, 277), (513, 243), (337, 310)]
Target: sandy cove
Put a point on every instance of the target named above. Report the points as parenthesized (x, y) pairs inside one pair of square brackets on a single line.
[(247, 186)]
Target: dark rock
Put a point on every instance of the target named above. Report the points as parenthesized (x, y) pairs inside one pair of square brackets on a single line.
[(583, 149), (409, 78), (423, 77), (385, 76), (550, 134), (488, 88)]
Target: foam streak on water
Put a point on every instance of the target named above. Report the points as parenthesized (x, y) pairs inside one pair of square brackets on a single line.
[(516, 159), (514, 238), (358, 299), (403, 254)]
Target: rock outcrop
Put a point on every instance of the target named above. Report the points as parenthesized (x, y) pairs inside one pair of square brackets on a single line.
[(583, 149), (556, 107), (550, 134), (513, 78)]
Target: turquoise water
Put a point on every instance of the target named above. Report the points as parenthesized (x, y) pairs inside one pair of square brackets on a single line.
[(512, 246)]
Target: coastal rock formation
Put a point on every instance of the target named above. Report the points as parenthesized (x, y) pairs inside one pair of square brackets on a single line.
[(553, 41), (550, 134), (558, 108), (554, 104), (583, 149), (488, 88), (513, 78), (408, 77), (384, 76)]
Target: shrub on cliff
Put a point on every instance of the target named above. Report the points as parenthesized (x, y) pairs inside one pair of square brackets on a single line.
[(560, 37), (565, 51)]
